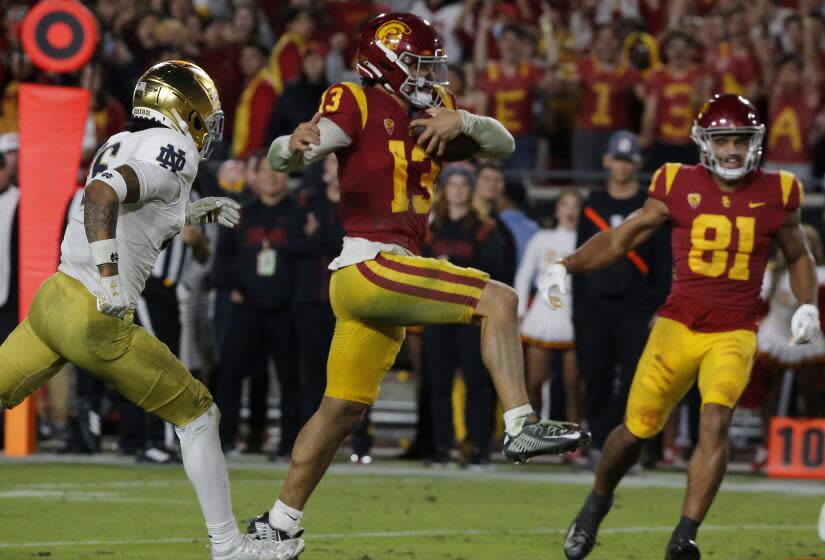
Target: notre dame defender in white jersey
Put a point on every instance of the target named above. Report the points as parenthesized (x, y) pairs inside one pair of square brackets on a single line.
[(136, 199)]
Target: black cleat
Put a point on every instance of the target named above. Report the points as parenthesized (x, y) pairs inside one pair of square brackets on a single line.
[(543, 437), (260, 529), (683, 549), (578, 543)]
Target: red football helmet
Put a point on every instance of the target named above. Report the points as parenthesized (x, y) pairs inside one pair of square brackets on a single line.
[(404, 54), (728, 114)]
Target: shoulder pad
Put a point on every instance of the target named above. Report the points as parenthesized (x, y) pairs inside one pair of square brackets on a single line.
[(345, 101), (169, 149), (663, 180)]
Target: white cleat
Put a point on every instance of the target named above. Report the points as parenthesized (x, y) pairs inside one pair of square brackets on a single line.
[(252, 549)]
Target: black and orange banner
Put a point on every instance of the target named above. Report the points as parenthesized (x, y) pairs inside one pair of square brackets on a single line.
[(796, 448)]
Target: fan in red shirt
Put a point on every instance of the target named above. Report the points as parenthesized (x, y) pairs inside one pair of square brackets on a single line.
[(607, 86), (256, 103), (733, 64), (285, 61), (510, 85), (673, 93), (795, 98), (724, 215), (379, 284)]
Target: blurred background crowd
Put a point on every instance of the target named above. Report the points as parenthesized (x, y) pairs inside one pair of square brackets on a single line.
[(597, 93)]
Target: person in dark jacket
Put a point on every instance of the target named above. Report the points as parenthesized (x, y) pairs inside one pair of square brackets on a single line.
[(464, 236), (322, 240), (254, 264), (298, 102), (613, 307), (489, 188)]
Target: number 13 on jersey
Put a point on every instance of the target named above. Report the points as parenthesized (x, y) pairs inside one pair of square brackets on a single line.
[(712, 233), (401, 199)]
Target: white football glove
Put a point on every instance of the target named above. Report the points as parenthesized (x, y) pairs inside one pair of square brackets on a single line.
[(214, 209), (111, 298), (804, 324), (555, 278)]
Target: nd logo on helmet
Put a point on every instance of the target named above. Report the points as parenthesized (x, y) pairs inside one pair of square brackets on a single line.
[(391, 32)]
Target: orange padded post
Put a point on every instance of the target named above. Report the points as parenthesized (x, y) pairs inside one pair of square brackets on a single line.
[(52, 120)]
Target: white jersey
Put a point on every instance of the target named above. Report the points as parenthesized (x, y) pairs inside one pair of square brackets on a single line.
[(165, 162), (543, 249), (541, 325)]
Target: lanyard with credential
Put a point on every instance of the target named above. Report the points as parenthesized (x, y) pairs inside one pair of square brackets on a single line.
[(634, 257)]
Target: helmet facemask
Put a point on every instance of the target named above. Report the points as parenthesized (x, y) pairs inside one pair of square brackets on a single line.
[(425, 75), (703, 137), (214, 132)]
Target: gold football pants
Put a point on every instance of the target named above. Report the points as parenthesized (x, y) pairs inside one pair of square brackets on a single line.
[(674, 358), (64, 325), (375, 300)]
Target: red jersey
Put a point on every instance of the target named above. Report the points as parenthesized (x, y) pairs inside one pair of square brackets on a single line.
[(721, 243), (252, 114), (606, 94), (733, 71), (675, 108), (386, 178), (789, 125), (511, 97), (286, 60)]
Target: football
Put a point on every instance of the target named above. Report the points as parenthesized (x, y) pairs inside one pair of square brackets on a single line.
[(458, 149)]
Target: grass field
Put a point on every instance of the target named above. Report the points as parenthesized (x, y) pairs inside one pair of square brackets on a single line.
[(390, 510)]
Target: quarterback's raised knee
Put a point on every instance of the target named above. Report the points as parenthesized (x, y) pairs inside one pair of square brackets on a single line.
[(497, 300), (343, 413)]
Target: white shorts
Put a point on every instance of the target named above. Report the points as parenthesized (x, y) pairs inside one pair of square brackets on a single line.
[(774, 345), (548, 328)]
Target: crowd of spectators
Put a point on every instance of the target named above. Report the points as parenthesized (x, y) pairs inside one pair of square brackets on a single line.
[(563, 76)]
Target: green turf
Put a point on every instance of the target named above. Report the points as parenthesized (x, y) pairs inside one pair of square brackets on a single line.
[(512, 513)]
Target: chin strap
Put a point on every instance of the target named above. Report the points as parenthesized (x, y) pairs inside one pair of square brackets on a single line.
[(182, 125)]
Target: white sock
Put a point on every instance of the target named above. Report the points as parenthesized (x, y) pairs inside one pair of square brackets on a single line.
[(205, 466), (515, 417), (285, 518), (224, 536)]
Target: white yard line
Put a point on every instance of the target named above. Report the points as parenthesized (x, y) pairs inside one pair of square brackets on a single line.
[(414, 474), (413, 534)]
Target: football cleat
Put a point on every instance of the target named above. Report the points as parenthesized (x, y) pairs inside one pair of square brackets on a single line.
[(249, 548), (260, 529), (578, 543), (542, 437), (682, 549)]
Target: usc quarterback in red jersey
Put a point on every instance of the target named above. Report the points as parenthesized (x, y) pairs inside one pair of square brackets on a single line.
[(380, 284), (724, 214)]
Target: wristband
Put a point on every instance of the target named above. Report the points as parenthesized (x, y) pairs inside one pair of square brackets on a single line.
[(104, 251)]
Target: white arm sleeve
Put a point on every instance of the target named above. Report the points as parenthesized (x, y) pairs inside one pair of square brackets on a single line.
[(495, 141), (155, 181), (333, 138), (525, 274)]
